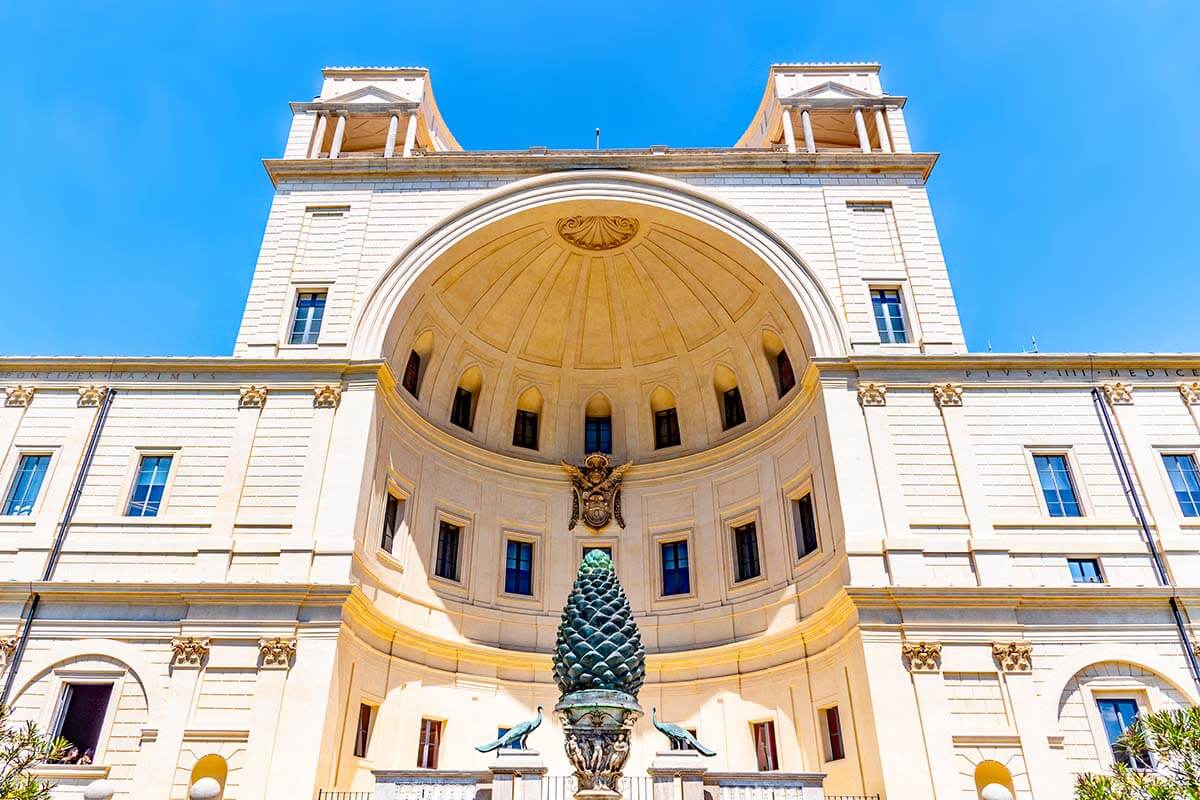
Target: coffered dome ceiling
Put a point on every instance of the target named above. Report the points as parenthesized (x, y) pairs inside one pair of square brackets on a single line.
[(585, 297)]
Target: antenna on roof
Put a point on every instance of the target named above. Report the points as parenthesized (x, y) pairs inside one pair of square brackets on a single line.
[(989, 345), (1033, 340), (597, 138)]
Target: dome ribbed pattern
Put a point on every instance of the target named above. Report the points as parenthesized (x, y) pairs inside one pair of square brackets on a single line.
[(599, 645)]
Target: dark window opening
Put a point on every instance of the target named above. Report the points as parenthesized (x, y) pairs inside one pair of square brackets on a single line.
[(412, 374), (597, 435), (447, 550), (835, 750), (460, 412), (80, 718), (518, 568), (675, 577), (429, 744), (525, 430), (784, 372), (735, 413), (745, 540), (666, 428), (764, 746), (393, 513), (806, 525), (362, 735)]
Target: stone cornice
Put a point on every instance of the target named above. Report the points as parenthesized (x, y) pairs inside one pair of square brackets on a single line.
[(66, 372), (168, 593), (1010, 596), (479, 163), (1089, 368)]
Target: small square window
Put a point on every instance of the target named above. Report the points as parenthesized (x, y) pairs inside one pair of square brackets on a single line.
[(393, 515), (306, 322), (26, 484), (666, 428), (429, 744), (831, 724), (148, 487), (889, 316), (449, 539), (525, 430), (1085, 570), (1058, 490), (676, 578), (745, 544), (764, 746), (362, 734), (518, 567), (1185, 482), (806, 525), (80, 718)]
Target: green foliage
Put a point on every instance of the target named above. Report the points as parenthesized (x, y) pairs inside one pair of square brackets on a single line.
[(1173, 739), (22, 747), (599, 645)]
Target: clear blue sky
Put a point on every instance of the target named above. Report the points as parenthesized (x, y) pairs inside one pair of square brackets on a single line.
[(132, 198)]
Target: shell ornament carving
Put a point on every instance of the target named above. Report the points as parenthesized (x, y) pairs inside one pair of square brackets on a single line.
[(597, 232)]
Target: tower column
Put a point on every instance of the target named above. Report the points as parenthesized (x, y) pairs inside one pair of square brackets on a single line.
[(789, 135), (885, 145), (390, 147), (860, 124), (410, 133), (314, 151), (338, 134), (810, 144)]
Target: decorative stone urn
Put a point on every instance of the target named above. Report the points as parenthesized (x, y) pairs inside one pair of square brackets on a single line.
[(599, 666)]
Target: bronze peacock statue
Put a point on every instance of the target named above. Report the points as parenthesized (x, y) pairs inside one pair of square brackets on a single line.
[(680, 738), (517, 733)]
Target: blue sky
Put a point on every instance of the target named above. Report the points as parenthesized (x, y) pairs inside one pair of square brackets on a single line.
[(133, 200)]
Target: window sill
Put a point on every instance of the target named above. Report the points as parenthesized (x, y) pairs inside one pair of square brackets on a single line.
[(384, 557)]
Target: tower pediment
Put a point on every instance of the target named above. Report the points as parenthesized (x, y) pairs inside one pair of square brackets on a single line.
[(368, 95), (831, 90)]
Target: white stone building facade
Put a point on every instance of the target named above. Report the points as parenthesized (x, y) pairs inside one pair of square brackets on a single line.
[(877, 558)]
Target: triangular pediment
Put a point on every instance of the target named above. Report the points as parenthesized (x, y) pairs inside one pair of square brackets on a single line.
[(831, 90), (365, 95)]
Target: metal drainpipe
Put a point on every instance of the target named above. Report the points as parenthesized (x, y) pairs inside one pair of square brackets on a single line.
[(56, 549), (1164, 578)]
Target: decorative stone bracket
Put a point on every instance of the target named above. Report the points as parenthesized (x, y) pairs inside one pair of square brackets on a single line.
[(189, 651), (1118, 394), (276, 653), (922, 656), (18, 396), (91, 396), (327, 396), (872, 395), (947, 395), (1013, 656), (253, 397), (8, 646), (1190, 392)]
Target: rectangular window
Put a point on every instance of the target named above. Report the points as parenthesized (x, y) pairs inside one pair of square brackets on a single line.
[(764, 746), (602, 548), (787, 376), (460, 412), (835, 750), (1185, 482), (1057, 487), (666, 428), (745, 542), (889, 316), (675, 577), (148, 487), (518, 567), (429, 744), (27, 483), (525, 430), (306, 323), (449, 535), (393, 514), (735, 412), (412, 373), (1085, 570), (597, 435), (806, 525), (362, 734), (80, 717), (1117, 714)]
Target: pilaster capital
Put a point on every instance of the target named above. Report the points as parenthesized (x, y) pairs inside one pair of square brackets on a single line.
[(327, 396), (1118, 394), (872, 394), (18, 396), (189, 651), (252, 397), (1190, 392), (8, 646), (1013, 656), (91, 396), (276, 653), (922, 656), (947, 395)]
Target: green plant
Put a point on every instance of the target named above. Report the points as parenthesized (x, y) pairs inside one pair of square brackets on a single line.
[(22, 747), (1170, 741)]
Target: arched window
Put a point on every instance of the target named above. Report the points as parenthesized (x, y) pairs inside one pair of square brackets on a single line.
[(781, 365), (729, 398), (597, 425), (666, 418), (418, 359), (466, 395), (525, 426)]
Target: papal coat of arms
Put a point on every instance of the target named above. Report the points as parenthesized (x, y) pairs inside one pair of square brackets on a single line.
[(597, 491)]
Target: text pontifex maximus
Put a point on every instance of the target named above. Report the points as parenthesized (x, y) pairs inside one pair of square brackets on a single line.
[(597, 233)]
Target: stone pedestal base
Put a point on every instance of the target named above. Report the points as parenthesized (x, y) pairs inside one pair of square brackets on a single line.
[(597, 726), (687, 765), (517, 775), (597, 794)]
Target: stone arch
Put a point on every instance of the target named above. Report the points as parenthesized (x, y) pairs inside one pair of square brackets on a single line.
[(139, 668), (376, 327)]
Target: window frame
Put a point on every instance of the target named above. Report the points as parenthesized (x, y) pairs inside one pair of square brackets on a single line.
[(1067, 455), (777, 371), (583, 545), (74, 675), (832, 750), (520, 414), (1180, 452), (586, 422), (906, 316), (400, 522), (437, 748), (463, 521), (723, 400), (1099, 570), (793, 501), (14, 473), (662, 542), (134, 469), (1136, 693), (289, 318), (667, 413), (373, 718), (768, 725), (535, 572), (454, 408), (732, 525)]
